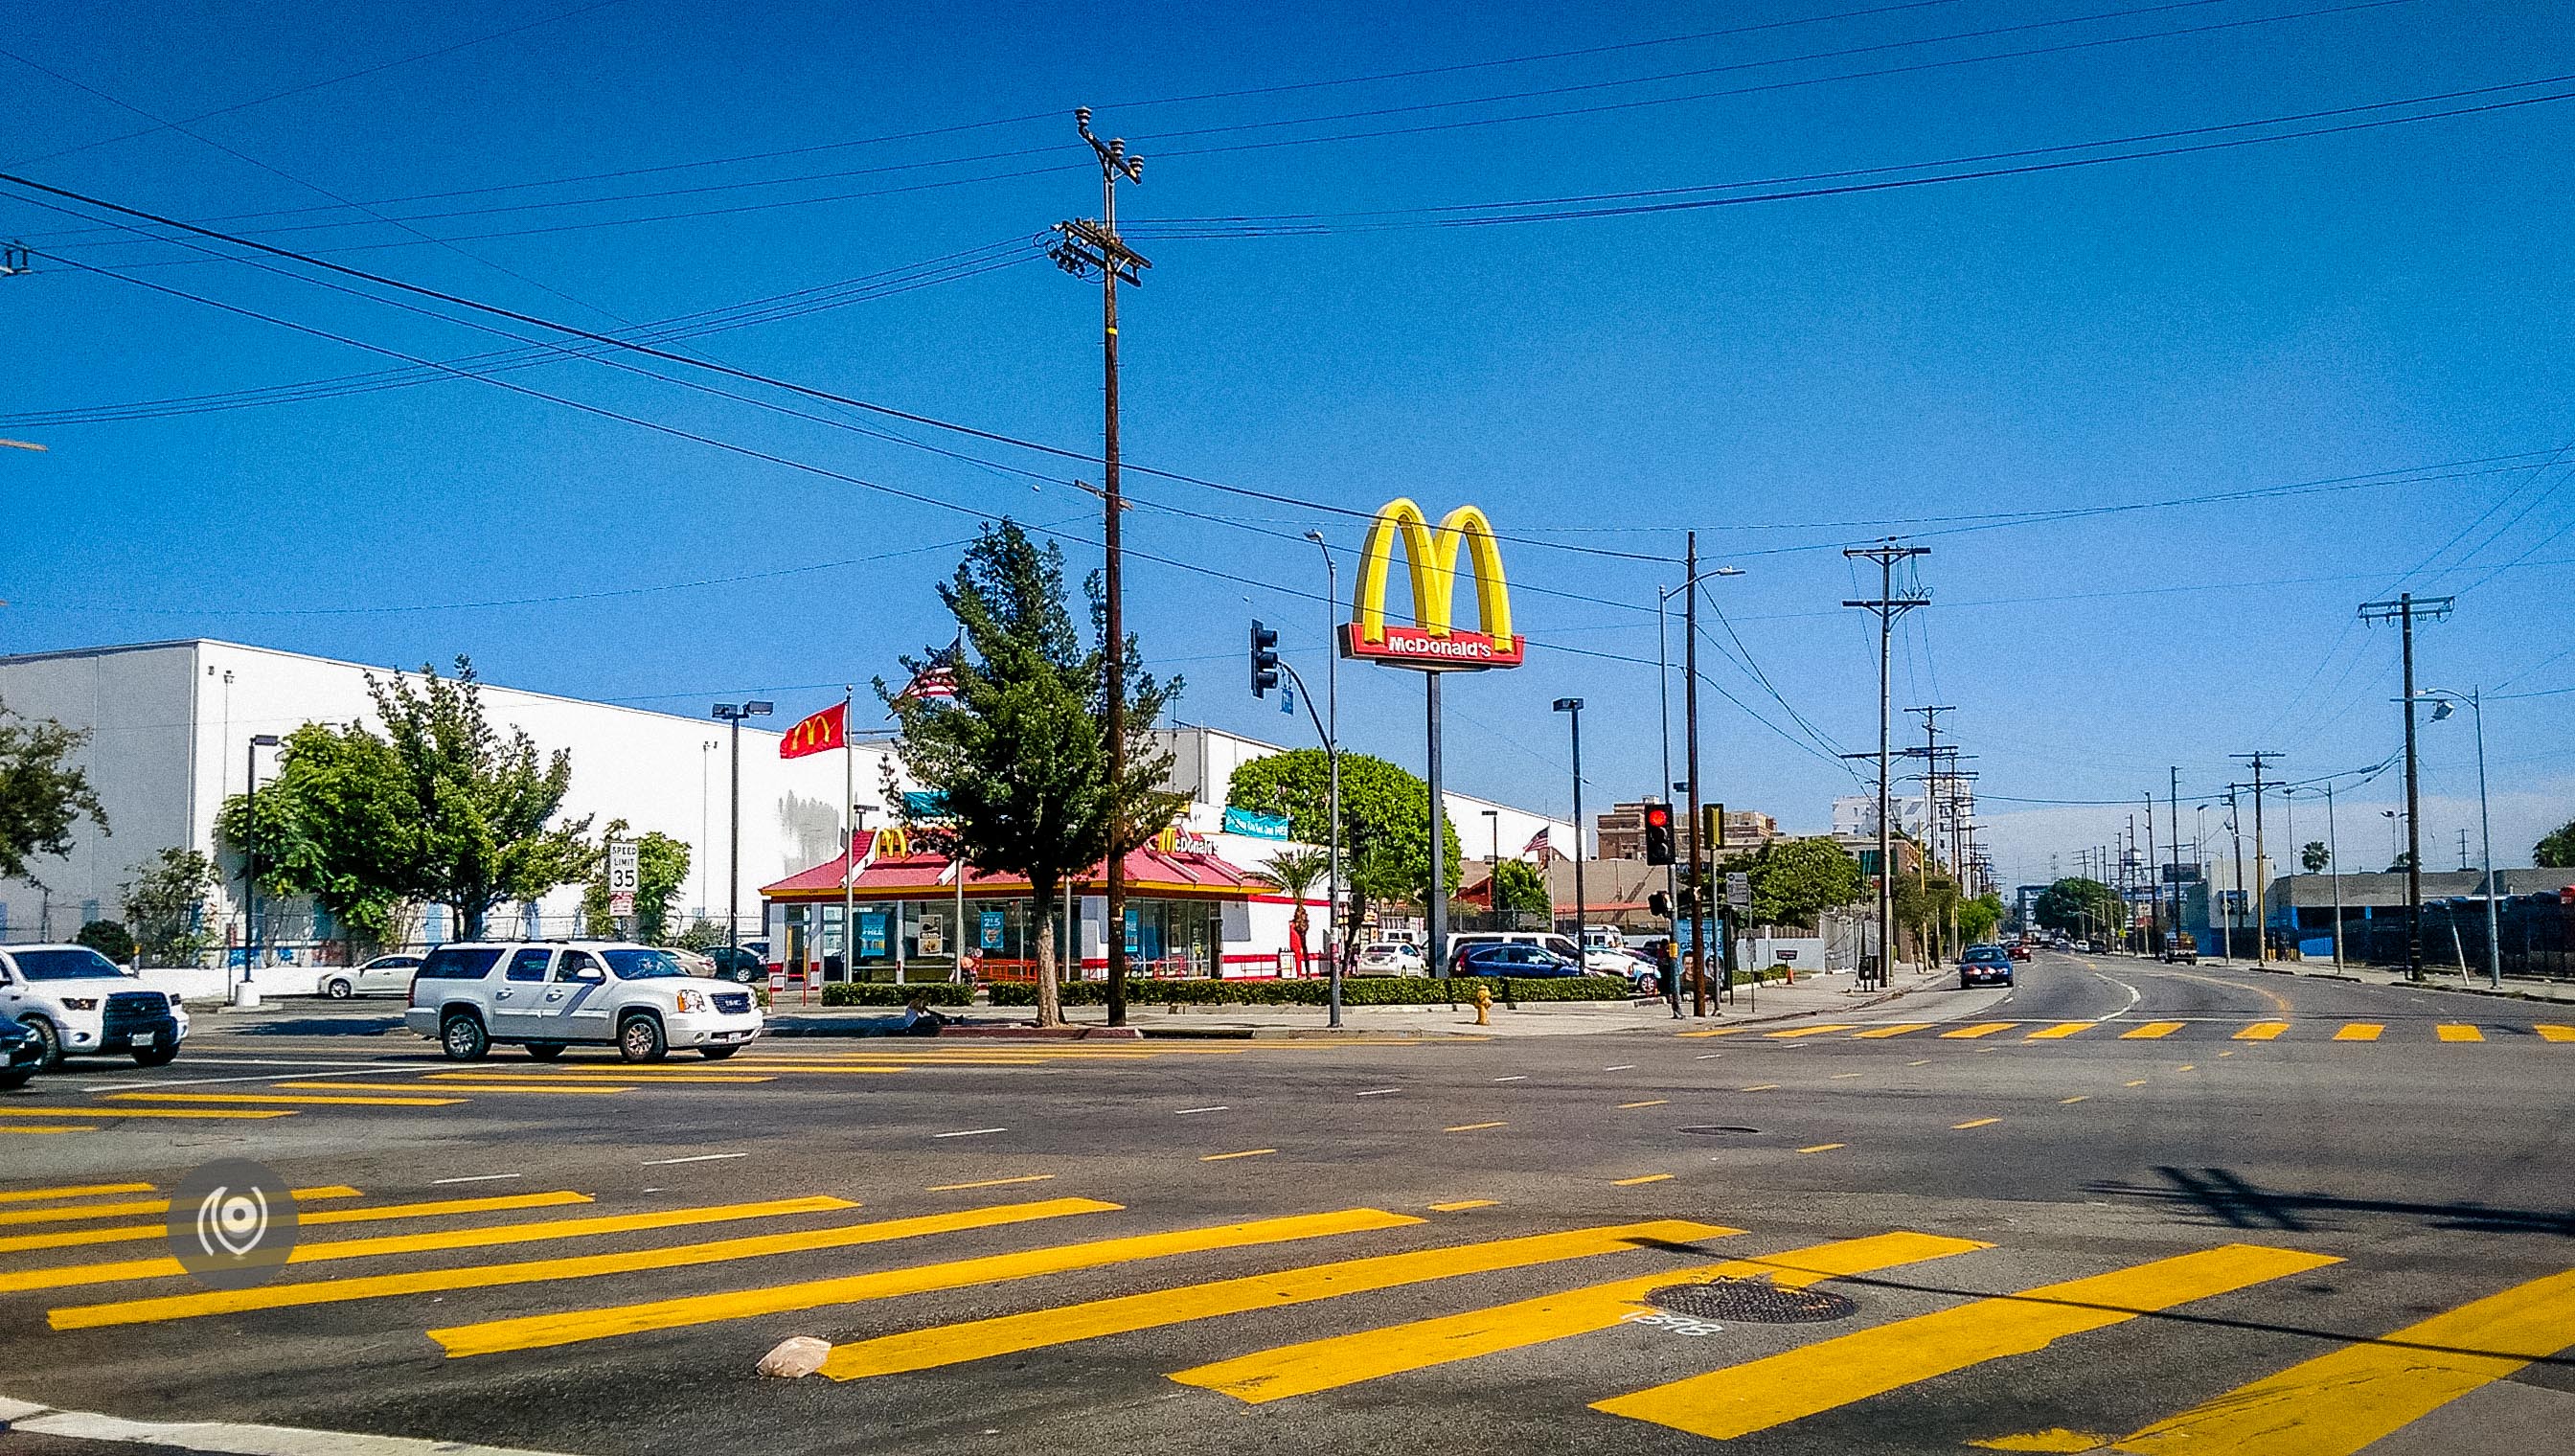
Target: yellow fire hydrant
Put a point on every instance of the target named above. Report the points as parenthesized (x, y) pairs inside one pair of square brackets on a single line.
[(1483, 1006)]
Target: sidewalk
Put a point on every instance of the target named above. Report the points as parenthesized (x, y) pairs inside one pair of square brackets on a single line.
[(2436, 979), (1830, 993)]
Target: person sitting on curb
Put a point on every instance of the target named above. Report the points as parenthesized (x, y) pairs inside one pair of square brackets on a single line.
[(917, 1019)]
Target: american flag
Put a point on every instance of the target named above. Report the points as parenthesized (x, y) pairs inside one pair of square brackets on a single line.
[(938, 677), (1538, 848)]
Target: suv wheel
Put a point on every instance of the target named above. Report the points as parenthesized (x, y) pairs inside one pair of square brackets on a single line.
[(462, 1038), (338, 988), (639, 1038), (49, 1044)]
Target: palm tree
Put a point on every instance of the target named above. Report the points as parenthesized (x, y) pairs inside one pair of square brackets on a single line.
[(1295, 872)]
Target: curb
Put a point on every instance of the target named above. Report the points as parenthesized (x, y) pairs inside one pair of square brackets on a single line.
[(870, 1027)]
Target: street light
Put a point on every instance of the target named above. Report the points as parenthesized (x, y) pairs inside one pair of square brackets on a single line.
[(733, 714), (1333, 931), (250, 860), (1572, 709), (2474, 698)]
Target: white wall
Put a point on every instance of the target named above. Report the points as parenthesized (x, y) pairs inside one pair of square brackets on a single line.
[(169, 737)]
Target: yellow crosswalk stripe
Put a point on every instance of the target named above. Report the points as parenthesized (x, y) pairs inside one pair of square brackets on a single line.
[(1328, 1364), (2060, 1030), (2549, 1032), (291, 1100), (2339, 1403), (1778, 1389), (2153, 1031), (134, 1206), (136, 1232), (603, 1074), (241, 1113), (70, 1276), (77, 1190), (2458, 1032), (2360, 1031), (1011, 1333), (537, 1271), (1796, 1031), (585, 1089), (1981, 1029), (35, 1129), (1711, 1031), (1875, 1033), (541, 1331), (2262, 1032)]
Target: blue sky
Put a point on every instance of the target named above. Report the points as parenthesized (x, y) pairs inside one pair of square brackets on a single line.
[(1789, 377)]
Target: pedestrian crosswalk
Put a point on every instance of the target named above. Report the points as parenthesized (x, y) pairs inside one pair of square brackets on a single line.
[(2186, 1029), (1628, 1319)]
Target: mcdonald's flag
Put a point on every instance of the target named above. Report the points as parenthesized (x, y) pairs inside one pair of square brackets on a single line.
[(826, 729)]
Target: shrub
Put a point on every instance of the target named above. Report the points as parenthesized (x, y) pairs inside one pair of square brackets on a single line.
[(109, 938), (1369, 990), (885, 994)]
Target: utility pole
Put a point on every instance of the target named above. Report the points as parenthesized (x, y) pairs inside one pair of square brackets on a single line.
[(1704, 889), (2262, 883), (1889, 607), (2333, 860), (2235, 829), (2404, 611), (2154, 887), (1083, 246), (2174, 787), (1932, 789)]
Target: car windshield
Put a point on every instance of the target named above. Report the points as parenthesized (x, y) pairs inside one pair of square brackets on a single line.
[(643, 964), (80, 965)]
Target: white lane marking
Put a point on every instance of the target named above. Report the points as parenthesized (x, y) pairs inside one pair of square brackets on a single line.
[(1520, 1078), (704, 1158), (1191, 1112), (475, 1178), (1704, 1055), (2134, 996), (1381, 1093), (971, 1132), (1624, 1066), (225, 1438)]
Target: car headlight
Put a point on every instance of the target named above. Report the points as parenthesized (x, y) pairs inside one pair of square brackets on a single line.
[(693, 1000), (80, 1003)]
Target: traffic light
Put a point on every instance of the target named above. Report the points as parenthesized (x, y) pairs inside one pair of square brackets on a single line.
[(1712, 824), (1661, 904), (1690, 900), (1265, 659), (1658, 836)]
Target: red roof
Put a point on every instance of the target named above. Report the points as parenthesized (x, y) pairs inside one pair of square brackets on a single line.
[(893, 877)]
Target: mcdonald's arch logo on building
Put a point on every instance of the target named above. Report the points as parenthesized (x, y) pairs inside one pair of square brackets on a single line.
[(1432, 642)]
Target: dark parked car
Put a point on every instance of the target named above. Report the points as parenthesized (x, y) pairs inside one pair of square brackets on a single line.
[(1511, 960), (739, 962), (20, 1052), (1984, 965)]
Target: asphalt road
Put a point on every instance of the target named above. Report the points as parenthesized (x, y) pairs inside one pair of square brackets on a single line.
[(2295, 1209)]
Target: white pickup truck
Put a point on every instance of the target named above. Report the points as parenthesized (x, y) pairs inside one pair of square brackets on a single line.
[(80, 1003), (546, 995)]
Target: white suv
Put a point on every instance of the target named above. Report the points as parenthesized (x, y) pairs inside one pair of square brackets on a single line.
[(547, 996), (80, 1003)]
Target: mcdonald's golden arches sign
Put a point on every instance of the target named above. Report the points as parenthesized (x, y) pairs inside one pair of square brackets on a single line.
[(1432, 642)]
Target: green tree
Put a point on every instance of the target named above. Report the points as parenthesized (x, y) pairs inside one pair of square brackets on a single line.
[(336, 824), (109, 938), (1296, 872), (1386, 821), (167, 904), (1015, 762), (1794, 881), (2315, 856), (2557, 850), (1520, 888), (42, 792), (2075, 906), (660, 873), (1978, 917)]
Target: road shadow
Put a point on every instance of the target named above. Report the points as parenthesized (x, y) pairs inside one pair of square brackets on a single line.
[(321, 1027), (2221, 1196)]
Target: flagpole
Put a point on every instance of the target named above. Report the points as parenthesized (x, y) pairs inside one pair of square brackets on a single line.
[(849, 838)]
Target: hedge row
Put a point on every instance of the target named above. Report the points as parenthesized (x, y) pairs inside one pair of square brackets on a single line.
[(882, 993), (1373, 991)]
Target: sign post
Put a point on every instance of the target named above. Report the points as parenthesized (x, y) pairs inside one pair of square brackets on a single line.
[(625, 880)]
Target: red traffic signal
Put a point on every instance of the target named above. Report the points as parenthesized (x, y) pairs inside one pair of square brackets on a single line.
[(1658, 834)]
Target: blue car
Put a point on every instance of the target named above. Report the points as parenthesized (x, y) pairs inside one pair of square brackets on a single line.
[(20, 1052), (1511, 960), (1984, 965)]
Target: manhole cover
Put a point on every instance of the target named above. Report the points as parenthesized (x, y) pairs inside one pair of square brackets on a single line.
[(1719, 1128), (1752, 1301)]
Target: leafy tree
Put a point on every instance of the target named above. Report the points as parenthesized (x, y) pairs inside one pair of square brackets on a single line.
[(166, 902), (109, 938), (1978, 917), (1794, 881), (2557, 851), (703, 934), (2397, 865), (1140, 808), (1016, 761), (1386, 821), (661, 871), (2075, 906), (2315, 856), (1520, 888), (1296, 872), (335, 823), (42, 794), (1925, 904)]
